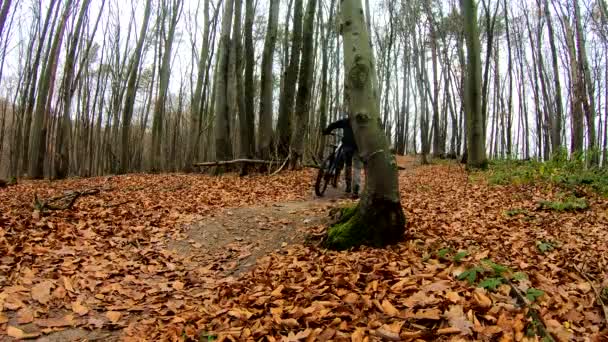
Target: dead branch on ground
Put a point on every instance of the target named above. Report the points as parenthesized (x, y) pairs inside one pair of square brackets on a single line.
[(65, 201)]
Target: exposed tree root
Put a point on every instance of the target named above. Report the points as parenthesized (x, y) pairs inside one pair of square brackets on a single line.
[(378, 224)]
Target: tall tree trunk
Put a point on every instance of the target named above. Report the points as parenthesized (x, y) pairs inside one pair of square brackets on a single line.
[(438, 149), (589, 100), (62, 163), (559, 114), (304, 86), (223, 146), (490, 24), (379, 219), (577, 92), (249, 124), (30, 98), (38, 132), (127, 113), (196, 110), (267, 83), (476, 140), (509, 127), (163, 86), (4, 14), (286, 101), (324, 76)]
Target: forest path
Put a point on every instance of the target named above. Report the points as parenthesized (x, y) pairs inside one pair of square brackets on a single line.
[(233, 239)]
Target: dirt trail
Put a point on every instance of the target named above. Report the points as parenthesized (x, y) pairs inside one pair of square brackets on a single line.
[(233, 239)]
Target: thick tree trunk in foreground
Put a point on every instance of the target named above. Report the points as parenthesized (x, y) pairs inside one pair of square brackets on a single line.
[(476, 140), (378, 220)]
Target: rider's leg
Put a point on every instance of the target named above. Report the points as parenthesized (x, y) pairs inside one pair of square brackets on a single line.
[(348, 172), (357, 166)]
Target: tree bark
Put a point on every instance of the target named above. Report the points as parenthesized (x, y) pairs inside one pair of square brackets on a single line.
[(286, 101), (62, 163), (378, 220), (249, 86), (163, 86), (38, 132), (589, 99), (131, 91), (196, 110), (267, 83), (476, 140), (223, 146), (304, 87), (557, 122)]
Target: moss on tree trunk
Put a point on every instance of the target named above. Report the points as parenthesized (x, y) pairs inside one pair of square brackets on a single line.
[(380, 224)]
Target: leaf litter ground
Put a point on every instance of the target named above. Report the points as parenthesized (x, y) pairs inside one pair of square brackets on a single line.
[(168, 257)]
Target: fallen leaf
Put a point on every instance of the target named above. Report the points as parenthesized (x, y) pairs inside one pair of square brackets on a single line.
[(386, 334), (453, 297), (79, 309), (178, 285), (65, 321), (358, 335), (482, 300), (42, 292), (458, 320), (20, 334), (389, 309), (113, 316), (277, 291), (25, 316)]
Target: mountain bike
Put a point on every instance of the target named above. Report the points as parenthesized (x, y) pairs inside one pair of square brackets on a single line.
[(330, 168)]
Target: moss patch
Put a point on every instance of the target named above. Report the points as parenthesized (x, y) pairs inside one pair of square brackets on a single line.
[(382, 224)]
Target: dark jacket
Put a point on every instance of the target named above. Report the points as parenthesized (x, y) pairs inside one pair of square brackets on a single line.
[(348, 140)]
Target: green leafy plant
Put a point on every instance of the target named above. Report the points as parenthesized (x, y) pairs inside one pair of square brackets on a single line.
[(460, 255), (562, 170), (533, 294), (515, 212), (545, 246), (497, 268), (491, 283), (471, 274), (519, 276), (570, 203), (443, 253)]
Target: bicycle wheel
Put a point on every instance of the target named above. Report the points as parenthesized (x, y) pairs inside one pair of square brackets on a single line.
[(323, 178)]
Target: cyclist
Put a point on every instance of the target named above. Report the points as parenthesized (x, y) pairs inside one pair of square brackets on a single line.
[(349, 148)]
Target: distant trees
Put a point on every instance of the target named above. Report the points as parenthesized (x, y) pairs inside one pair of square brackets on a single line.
[(114, 87)]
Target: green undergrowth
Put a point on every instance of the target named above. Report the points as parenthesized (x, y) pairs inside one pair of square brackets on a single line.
[(568, 173)]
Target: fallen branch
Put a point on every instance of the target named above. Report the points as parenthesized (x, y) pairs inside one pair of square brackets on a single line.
[(66, 201), (598, 294), (281, 168), (232, 162)]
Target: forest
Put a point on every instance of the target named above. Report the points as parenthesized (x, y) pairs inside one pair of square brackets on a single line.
[(92, 88), (158, 160)]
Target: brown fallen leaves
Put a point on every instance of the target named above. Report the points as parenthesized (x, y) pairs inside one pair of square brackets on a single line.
[(105, 264)]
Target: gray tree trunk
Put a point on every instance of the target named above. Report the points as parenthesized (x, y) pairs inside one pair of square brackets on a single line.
[(286, 100), (223, 146), (304, 87), (38, 132), (379, 219), (62, 163), (476, 140), (267, 82)]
